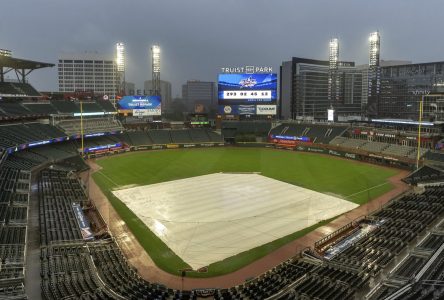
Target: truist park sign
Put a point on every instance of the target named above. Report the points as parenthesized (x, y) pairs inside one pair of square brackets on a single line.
[(247, 69)]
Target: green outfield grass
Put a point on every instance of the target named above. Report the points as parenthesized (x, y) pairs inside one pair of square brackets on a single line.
[(351, 180)]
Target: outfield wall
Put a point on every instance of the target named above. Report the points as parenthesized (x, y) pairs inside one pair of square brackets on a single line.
[(154, 147), (354, 154), (358, 155)]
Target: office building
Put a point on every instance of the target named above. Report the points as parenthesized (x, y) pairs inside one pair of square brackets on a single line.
[(306, 89), (200, 94), (90, 72), (403, 86)]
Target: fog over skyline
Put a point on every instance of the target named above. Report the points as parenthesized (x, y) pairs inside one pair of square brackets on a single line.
[(198, 37)]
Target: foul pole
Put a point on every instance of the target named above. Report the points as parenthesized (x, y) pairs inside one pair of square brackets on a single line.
[(419, 132), (81, 126)]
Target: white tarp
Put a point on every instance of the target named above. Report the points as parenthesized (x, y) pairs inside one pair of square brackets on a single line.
[(208, 218)]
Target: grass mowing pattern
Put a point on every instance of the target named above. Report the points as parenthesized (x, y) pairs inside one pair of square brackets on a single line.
[(352, 180)]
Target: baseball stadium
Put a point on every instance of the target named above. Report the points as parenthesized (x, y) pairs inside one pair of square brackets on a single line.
[(96, 202)]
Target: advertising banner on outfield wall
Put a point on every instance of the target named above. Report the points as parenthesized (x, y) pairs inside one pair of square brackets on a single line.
[(278, 138), (176, 146), (328, 151)]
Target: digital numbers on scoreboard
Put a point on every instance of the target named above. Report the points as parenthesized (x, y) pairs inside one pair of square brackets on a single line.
[(266, 94)]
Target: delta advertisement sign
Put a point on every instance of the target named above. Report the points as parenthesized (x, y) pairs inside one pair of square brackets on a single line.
[(141, 105)]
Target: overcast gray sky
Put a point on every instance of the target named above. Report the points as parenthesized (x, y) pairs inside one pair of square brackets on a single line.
[(197, 37)]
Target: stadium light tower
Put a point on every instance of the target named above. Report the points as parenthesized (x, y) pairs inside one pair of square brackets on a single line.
[(120, 63), (374, 40), (333, 78), (155, 58), (374, 72)]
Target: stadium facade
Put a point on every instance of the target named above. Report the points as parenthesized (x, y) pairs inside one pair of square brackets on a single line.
[(309, 88), (91, 72), (305, 87)]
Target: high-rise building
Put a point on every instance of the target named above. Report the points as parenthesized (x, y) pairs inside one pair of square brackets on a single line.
[(88, 72), (165, 92), (304, 89), (199, 93)]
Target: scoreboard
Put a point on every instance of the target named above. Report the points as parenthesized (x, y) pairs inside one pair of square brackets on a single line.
[(244, 93)]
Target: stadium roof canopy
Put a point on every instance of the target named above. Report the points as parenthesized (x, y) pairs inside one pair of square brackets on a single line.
[(21, 67), (20, 64)]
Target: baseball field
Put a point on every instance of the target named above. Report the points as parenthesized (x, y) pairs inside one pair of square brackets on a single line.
[(345, 179)]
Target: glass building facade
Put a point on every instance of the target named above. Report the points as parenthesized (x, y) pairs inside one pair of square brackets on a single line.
[(304, 89), (403, 86)]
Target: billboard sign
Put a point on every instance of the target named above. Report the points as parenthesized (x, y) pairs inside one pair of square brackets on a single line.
[(141, 112), (247, 88), (237, 109), (265, 109), (151, 104)]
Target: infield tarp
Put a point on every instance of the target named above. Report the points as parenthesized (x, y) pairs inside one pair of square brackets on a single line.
[(208, 218)]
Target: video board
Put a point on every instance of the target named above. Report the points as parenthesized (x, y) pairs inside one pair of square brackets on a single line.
[(142, 105), (247, 89)]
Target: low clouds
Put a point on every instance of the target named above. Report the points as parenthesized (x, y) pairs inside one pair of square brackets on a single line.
[(200, 36)]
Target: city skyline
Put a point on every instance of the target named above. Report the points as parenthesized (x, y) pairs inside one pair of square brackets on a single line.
[(198, 37)]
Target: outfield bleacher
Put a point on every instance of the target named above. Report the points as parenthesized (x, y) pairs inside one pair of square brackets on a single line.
[(106, 106), (14, 109), (379, 147), (232, 128), (138, 138), (41, 108), (14, 135), (318, 133), (159, 136), (18, 89), (180, 136), (90, 125)]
